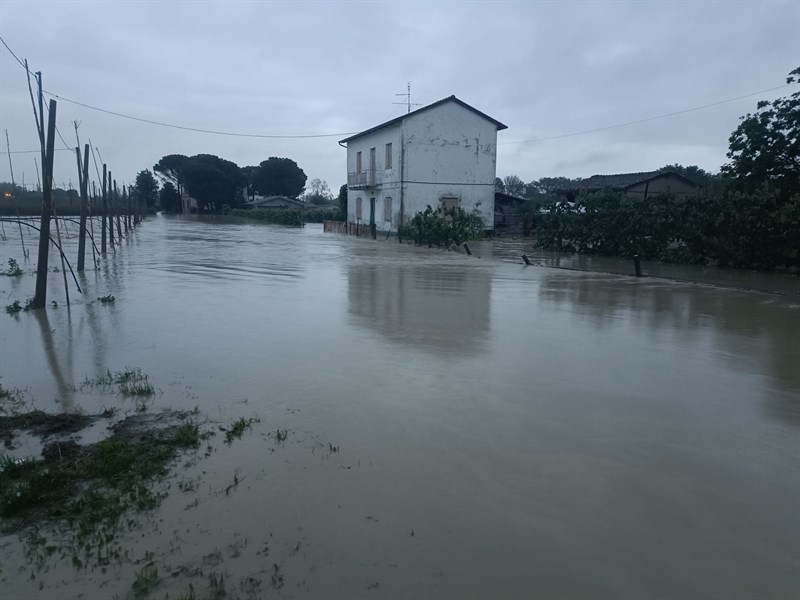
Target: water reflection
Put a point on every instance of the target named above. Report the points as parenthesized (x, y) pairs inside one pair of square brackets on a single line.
[(434, 309), (750, 332), (64, 387)]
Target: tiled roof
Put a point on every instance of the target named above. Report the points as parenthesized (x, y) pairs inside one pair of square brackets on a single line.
[(396, 120), (621, 181)]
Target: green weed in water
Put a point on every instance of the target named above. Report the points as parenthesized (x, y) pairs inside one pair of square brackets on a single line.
[(145, 580), (14, 269), (107, 299), (238, 428), (91, 487)]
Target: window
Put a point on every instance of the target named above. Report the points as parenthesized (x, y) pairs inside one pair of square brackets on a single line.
[(387, 207), (372, 160), (448, 202), (388, 161), (358, 205), (358, 162)]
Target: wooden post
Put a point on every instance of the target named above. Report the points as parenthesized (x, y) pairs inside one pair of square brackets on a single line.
[(110, 212), (637, 266), (119, 209), (40, 297), (21, 237), (525, 258), (83, 176), (103, 215), (91, 223)]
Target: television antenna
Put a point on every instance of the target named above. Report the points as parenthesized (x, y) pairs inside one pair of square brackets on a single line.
[(407, 95)]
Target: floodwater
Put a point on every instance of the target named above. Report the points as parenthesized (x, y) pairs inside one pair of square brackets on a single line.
[(502, 431)]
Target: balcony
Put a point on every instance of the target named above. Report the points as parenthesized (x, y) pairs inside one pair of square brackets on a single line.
[(361, 180)]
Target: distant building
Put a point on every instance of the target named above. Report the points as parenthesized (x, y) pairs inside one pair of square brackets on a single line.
[(636, 185), (262, 202), (188, 204), (443, 154)]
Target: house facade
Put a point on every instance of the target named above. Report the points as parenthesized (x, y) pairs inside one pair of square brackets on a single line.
[(443, 154)]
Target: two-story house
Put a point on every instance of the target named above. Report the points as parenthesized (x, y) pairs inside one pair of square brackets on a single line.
[(443, 154)]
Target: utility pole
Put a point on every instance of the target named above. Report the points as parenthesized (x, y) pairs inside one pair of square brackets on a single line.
[(83, 176)]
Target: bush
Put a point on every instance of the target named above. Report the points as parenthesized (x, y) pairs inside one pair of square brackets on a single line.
[(718, 226), (443, 227)]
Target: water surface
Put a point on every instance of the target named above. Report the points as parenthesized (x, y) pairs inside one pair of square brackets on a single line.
[(503, 431)]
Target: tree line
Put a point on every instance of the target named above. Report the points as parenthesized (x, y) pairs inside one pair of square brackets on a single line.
[(747, 215), (215, 183)]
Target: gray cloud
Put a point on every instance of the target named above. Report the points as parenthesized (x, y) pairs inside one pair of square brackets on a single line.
[(544, 69)]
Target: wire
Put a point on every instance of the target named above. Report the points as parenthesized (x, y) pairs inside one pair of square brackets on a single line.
[(645, 120), (35, 151), (12, 52), (195, 129)]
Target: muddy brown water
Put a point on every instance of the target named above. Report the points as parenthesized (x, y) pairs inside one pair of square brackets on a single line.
[(458, 427)]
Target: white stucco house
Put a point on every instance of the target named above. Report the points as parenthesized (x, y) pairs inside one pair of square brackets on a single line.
[(441, 154)]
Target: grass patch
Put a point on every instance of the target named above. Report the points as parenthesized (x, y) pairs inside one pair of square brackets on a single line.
[(145, 580), (90, 487), (238, 428), (129, 383), (15, 307), (107, 299), (11, 400)]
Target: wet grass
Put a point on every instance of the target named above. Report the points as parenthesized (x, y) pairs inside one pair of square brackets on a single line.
[(280, 435), (89, 487), (11, 400), (13, 270), (130, 383), (15, 307), (238, 428), (145, 580), (107, 299)]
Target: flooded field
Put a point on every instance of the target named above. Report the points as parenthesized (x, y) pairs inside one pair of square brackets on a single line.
[(421, 424)]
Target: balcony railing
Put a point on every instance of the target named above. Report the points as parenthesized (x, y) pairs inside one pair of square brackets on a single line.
[(361, 180)]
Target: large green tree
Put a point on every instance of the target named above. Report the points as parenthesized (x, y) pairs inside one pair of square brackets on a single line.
[(212, 181), (169, 198), (765, 147), (169, 168), (279, 177), (146, 188)]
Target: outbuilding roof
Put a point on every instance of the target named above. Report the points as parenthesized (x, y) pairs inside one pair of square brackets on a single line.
[(620, 181), (396, 120)]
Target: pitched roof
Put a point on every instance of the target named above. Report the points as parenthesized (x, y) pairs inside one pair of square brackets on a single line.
[(396, 120), (620, 181)]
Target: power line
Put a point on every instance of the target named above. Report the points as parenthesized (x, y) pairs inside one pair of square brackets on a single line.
[(195, 129), (37, 151), (171, 125), (12, 53), (645, 120)]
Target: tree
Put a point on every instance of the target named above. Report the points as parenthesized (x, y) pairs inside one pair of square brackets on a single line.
[(169, 198), (146, 188), (765, 147), (279, 177), (693, 173), (514, 186), (319, 193), (249, 174), (169, 168), (499, 187), (212, 181)]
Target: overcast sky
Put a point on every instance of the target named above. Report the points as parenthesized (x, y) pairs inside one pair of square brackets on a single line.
[(545, 69)]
